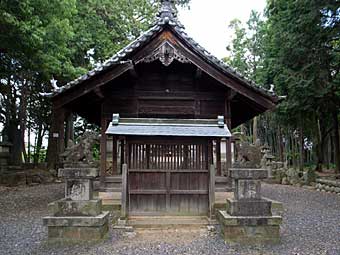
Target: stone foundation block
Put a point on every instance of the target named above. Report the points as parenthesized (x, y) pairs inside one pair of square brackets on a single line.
[(66, 207), (259, 207), (77, 233), (77, 228), (249, 229), (77, 221)]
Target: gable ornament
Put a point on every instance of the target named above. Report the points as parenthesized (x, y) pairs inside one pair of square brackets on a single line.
[(166, 53)]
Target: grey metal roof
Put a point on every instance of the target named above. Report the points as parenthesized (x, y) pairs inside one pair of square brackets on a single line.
[(166, 18), (168, 127)]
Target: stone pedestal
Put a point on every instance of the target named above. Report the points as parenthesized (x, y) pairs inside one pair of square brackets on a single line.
[(248, 217), (78, 216), (5, 148)]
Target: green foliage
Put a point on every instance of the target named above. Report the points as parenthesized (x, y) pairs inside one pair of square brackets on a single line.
[(63, 39), (296, 48)]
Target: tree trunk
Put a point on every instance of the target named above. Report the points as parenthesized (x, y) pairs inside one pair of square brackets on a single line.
[(38, 144), (302, 154), (319, 147), (22, 118), (336, 141)]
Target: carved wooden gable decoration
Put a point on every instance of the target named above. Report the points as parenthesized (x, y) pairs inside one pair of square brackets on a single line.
[(166, 53)]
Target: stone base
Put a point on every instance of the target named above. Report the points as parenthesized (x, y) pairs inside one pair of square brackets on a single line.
[(247, 207), (64, 207), (77, 228), (249, 229)]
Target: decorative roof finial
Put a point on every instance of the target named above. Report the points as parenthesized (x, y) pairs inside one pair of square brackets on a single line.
[(167, 9)]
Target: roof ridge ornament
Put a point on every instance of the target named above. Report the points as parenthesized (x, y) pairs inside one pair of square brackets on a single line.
[(167, 10)]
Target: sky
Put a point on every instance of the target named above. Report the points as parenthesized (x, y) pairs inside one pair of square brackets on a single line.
[(207, 21)]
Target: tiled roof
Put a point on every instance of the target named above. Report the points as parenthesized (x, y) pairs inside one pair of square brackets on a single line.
[(168, 127), (166, 17)]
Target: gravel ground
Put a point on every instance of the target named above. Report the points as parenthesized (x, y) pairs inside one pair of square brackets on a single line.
[(311, 226)]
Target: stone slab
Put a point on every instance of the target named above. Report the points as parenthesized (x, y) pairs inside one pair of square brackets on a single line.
[(76, 221), (81, 173), (248, 173), (260, 207), (66, 207)]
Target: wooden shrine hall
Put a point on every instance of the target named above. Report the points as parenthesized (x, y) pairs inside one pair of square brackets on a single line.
[(165, 107)]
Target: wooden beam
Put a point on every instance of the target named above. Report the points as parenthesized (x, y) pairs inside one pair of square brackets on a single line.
[(231, 94), (198, 74), (99, 92), (133, 72)]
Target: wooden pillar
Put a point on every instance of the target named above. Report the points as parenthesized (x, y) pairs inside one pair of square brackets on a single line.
[(227, 118), (218, 157), (124, 197), (69, 128), (210, 160), (122, 153), (211, 190), (56, 140), (148, 156), (103, 144), (185, 157), (114, 156)]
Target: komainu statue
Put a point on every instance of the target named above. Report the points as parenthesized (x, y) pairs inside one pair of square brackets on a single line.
[(248, 155), (81, 152)]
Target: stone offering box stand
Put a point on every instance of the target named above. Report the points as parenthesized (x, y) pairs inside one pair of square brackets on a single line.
[(248, 217), (78, 216)]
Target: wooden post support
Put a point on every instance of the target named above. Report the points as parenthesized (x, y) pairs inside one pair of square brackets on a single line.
[(123, 211), (218, 157), (228, 155), (114, 156), (227, 117), (69, 128), (56, 138), (211, 190), (103, 151)]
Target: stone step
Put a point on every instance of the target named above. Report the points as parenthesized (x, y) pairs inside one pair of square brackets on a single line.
[(113, 179), (222, 189), (155, 222), (110, 195), (111, 189), (222, 179)]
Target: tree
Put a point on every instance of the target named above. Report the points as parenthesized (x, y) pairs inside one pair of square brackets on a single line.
[(57, 38), (296, 48)]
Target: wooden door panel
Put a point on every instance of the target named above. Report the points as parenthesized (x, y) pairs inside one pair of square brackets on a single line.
[(168, 178), (189, 204), (145, 204)]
